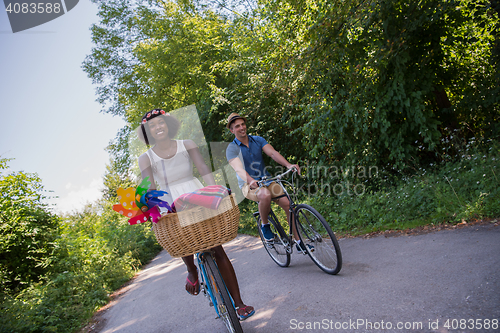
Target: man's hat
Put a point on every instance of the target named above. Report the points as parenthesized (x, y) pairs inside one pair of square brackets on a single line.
[(232, 117)]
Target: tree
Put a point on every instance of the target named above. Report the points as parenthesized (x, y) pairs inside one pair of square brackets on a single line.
[(160, 54), (113, 180), (27, 230), (357, 82), (381, 82)]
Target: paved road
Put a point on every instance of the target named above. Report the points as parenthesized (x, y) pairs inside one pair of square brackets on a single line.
[(385, 282)]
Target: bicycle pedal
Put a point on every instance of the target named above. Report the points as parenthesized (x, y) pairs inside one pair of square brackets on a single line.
[(270, 245)]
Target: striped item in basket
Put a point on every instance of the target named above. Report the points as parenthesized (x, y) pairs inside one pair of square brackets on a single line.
[(208, 197)]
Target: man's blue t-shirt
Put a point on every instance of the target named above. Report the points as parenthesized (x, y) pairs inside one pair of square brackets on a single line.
[(252, 156)]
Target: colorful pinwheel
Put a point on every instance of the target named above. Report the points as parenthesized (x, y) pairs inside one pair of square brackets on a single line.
[(140, 204)]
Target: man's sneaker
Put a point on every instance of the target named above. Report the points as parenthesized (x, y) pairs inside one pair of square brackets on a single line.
[(266, 232), (302, 249)]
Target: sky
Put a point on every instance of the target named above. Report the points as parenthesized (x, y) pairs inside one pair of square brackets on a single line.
[(50, 122)]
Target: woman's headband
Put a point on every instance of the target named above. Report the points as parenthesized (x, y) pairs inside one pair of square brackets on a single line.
[(153, 114)]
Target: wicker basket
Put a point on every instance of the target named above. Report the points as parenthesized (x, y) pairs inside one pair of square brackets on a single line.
[(198, 229)]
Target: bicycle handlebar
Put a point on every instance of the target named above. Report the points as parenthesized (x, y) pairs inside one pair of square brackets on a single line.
[(278, 177)]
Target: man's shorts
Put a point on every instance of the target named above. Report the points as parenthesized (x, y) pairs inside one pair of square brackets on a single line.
[(274, 188)]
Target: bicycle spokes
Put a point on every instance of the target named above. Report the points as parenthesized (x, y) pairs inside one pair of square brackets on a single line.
[(279, 248), (323, 246), (279, 245), (316, 235)]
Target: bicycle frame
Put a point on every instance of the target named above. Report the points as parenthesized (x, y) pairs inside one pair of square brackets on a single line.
[(205, 285), (278, 179), (322, 248)]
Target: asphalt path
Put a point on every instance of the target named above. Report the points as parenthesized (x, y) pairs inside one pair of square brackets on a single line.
[(406, 283)]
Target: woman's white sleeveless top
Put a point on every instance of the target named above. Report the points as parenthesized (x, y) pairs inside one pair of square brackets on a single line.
[(174, 175)]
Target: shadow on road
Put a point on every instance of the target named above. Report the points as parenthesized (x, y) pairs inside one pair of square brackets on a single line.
[(419, 281)]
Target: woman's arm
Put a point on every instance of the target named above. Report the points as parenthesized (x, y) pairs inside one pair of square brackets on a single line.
[(146, 170), (203, 169)]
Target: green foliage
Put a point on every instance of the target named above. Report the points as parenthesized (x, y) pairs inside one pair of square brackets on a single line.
[(114, 178), (371, 83), (97, 251), (334, 82), (448, 192), (27, 230), (56, 271)]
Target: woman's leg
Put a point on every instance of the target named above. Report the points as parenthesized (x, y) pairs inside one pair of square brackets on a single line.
[(192, 287), (227, 271)]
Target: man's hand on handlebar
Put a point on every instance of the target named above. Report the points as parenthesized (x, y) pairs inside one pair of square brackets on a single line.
[(253, 184), (296, 166)]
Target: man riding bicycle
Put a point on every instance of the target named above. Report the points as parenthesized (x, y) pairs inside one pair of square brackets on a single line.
[(244, 154)]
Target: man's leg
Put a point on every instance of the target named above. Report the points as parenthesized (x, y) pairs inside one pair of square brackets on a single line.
[(264, 202), (284, 203), (263, 197)]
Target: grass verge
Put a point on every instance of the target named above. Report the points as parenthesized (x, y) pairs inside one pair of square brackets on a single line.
[(453, 192)]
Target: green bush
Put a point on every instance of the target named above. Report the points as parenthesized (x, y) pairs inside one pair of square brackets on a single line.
[(457, 189), (57, 271), (27, 230)]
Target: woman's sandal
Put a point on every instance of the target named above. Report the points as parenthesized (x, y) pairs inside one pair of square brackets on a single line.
[(196, 284), (243, 313)]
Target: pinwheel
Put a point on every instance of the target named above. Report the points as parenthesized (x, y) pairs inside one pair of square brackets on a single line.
[(152, 199), (140, 204)]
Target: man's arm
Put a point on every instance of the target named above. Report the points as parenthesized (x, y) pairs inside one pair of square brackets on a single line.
[(240, 170), (233, 155), (273, 153)]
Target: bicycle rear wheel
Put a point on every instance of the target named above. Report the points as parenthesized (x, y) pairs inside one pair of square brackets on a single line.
[(314, 231), (277, 248), (223, 303)]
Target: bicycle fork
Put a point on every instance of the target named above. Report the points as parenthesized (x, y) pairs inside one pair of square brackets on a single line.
[(204, 287)]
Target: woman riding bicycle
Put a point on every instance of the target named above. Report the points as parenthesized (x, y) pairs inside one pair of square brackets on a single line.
[(169, 163)]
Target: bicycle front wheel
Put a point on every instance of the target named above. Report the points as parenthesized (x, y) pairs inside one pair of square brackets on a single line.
[(223, 303), (277, 248), (321, 243)]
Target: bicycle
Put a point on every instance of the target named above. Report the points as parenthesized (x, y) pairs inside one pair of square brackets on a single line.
[(203, 229), (213, 287), (314, 232)]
